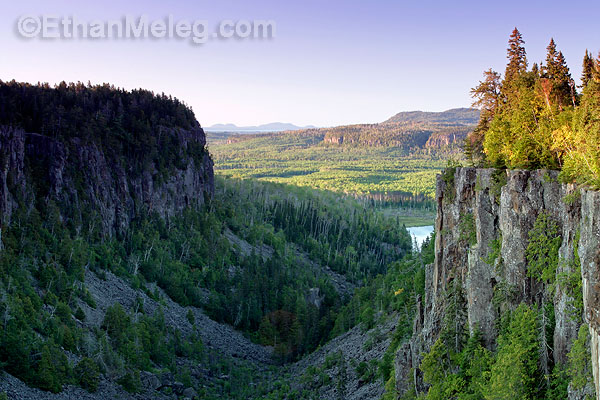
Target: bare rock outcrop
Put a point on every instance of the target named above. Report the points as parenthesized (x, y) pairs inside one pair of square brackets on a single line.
[(77, 175), (482, 233)]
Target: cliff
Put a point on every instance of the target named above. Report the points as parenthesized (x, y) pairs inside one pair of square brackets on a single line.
[(483, 228), (97, 156), (99, 186)]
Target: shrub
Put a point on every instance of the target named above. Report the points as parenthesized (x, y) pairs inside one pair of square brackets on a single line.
[(542, 251), (496, 251), (80, 314), (190, 317), (580, 364), (131, 382), (499, 180), (466, 227), (87, 374)]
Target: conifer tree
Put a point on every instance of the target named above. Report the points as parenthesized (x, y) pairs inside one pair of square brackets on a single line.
[(550, 68), (588, 69), (535, 70), (514, 376), (596, 69), (557, 83), (517, 59), (565, 83), (487, 93), (47, 375), (487, 97)]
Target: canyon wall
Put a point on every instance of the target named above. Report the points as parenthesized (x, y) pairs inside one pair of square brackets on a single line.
[(81, 177), (483, 227)]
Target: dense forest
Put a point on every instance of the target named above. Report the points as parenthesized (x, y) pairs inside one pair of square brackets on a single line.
[(538, 118), (188, 257), (304, 160), (112, 118), (413, 137), (392, 163), (456, 116), (278, 263)]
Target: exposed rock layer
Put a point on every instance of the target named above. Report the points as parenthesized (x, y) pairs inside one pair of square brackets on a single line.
[(80, 176), (483, 209)]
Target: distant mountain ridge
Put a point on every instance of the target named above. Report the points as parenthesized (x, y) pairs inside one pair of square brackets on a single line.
[(455, 116), (452, 117), (410, 129), (271, 127), (444, 130)]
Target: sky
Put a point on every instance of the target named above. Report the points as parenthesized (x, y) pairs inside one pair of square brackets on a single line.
[(330, 63)]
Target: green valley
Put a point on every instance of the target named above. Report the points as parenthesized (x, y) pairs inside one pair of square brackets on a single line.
[(393, 162)]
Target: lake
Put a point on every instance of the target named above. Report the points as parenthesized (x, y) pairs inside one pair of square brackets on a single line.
[(420, 233)]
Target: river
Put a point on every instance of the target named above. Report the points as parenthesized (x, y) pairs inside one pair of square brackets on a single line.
[(420, 233)]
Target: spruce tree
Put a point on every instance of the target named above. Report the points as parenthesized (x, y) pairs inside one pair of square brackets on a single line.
[(515, 374), (517, 58), (596, 69), (557, 83), (588, 69), (487, 97), (487, 93), (551, 63), (535, 70), (47, 375)]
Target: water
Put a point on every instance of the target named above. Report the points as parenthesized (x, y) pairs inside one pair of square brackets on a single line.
[(420, 233)]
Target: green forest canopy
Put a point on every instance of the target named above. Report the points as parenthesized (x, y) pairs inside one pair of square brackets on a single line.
[(537, 118)]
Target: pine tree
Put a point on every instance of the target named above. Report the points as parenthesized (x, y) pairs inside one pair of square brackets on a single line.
[(588, 69), (47, 375), (487, 97), (596, 70), (557, 84), (515, 375), (517, 59), (487, 93)]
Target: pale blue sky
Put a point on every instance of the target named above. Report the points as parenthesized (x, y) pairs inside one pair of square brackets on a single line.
[(332, 62)]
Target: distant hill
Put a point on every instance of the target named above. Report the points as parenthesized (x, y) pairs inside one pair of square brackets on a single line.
[(410, 130), (455, 116), (271, 127), (404, 135)]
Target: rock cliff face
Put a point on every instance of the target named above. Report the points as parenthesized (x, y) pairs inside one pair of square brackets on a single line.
[(441, 140), (589, 252), (79, 177), (482, 233)]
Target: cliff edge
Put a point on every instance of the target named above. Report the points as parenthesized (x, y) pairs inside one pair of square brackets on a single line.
[(483, 229)]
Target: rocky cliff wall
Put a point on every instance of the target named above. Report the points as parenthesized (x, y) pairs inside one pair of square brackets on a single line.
[(482, 233), (589, 253), (99, 186)]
